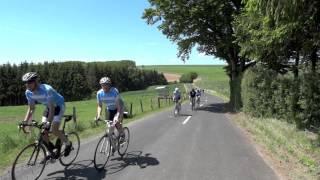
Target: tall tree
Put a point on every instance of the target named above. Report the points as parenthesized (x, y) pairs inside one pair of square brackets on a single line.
[(206, 24)]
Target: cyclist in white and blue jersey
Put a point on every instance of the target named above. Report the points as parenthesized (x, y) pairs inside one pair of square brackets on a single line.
[(110, 96), (55, 107)]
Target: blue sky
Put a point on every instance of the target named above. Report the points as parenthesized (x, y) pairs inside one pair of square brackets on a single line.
[(95, 30)]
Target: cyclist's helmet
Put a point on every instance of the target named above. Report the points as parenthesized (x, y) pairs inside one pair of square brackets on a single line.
[(30, 76), (105, 80), (176, 89)]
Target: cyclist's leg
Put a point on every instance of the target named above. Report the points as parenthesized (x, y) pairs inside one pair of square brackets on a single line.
[(45, 136), (58, 114)]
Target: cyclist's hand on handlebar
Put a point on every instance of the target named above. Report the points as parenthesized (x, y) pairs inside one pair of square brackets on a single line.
[(23, 126), (97, 118)]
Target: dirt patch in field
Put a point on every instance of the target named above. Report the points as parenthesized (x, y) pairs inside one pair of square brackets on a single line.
[(172, 77)]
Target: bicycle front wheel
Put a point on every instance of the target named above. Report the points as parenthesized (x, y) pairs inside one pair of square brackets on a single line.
[(30, 162), (124, 143), (102, 153), (74, 139)]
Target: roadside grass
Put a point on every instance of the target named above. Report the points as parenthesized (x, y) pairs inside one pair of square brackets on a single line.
[(11, 142), (211, 77), (296, 153)]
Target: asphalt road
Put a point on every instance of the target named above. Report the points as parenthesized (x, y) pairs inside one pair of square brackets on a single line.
[(203, 144)]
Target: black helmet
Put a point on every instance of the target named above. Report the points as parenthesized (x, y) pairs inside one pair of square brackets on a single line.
[(30, 76)]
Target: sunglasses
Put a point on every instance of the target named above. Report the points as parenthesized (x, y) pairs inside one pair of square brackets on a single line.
[(30, 82)]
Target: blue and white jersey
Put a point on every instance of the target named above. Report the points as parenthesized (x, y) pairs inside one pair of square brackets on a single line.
[(176, 95), (109, 98), (44, 94)]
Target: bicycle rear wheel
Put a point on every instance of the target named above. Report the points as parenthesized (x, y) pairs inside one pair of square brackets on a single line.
[(30, 162), (75, 140), (123, 144), (102, 153)]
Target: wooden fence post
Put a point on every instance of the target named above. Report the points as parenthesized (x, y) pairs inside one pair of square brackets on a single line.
[(131, 109), (158, 102), (141, 105), (151, 105)]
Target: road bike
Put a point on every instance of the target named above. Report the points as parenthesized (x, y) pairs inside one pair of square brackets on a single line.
[(110, 142), (32, 159)]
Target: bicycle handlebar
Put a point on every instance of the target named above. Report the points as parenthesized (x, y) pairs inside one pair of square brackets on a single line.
[(32, 124)]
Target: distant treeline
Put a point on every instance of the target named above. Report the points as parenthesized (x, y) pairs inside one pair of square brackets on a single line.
[(74, 80)]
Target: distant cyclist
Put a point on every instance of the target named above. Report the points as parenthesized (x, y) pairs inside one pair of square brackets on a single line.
[(192, 95), (54, 111), (114, 103), (198, 95), (176, 95), (176, 98)]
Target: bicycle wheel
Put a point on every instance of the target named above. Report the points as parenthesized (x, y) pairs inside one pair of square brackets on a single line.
[(123, 146), (30, 162), (175, 111), (102, 153), (75, 140)]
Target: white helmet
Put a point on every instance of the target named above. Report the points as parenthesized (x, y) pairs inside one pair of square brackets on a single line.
[(30, 76), (105, 80), (176, 89)]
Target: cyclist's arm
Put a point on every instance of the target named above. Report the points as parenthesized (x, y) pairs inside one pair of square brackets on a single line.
[(99, 110), (99, 107), (119, 105), (50, 105), (51, 111), (30, 111)]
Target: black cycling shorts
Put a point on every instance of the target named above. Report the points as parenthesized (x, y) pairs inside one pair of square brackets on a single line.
[(56, 111), (111, 115)]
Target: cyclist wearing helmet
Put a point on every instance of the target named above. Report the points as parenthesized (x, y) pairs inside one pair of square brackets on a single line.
[(114, 104), (192, 95), (176, 95), (54, 111)]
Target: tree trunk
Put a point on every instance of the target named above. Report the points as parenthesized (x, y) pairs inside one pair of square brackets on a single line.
[(314, 60), (296, 66), (235, 88)]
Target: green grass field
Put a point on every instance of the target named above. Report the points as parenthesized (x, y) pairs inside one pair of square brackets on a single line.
[(298, 150), (213, 77), (11, 141)]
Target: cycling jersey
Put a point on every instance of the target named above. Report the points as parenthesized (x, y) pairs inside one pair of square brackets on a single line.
[(176, 95), (109, 98), (198, 93), (192, 94), (44, 94)]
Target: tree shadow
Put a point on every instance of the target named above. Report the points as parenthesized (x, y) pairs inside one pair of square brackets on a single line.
[(78, 170), (216, 108), (184, 114), (133, 158)]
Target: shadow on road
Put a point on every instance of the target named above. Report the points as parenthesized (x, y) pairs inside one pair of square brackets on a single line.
[(78, 170), (183, 114), (85, 169), (215, 108), (133, 158)]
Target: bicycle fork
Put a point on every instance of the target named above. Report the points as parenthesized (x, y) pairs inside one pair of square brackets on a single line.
[(36, 150)]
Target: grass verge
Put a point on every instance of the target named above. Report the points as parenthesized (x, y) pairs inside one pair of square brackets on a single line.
[(294, 154)]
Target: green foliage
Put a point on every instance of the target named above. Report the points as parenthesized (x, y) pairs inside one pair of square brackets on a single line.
[(188, 77), (206, 24), (74, 80), (266, 93), (309, 100)]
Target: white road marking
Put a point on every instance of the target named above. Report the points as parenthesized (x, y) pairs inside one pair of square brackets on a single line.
[(186, 120)]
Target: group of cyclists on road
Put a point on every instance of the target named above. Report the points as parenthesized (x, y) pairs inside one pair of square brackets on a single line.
[(37, 92), (194, 97), (54, 102)]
